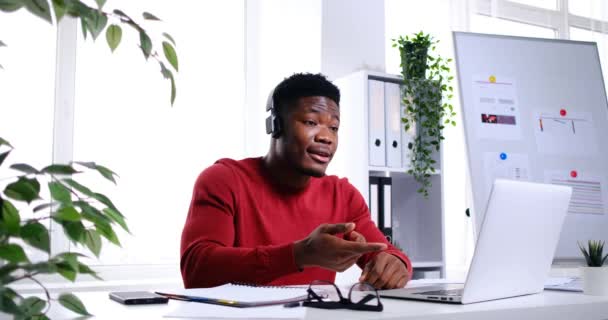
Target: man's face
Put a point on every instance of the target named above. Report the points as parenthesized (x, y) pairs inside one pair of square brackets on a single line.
[(310, 135)]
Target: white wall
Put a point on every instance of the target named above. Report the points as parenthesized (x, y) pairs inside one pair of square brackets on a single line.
[(282, 37)]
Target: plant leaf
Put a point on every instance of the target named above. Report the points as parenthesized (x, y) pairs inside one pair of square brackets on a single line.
[(2, 141), (10, 5), (7, 300), (60, 169), (10, 217), (32, 306), (105, 200), (106, 173), (93, 241), (149, 16), (145, 43), (59, 6), (71, 259), (12, 253), (39, 8), (66, 271), (71, 302), (113, 36), (25, 168), (117, 217), (168, 36), (82, 189), (83, 268), (100, 3), (96, 22), (170, 54), (83, 26), (67, 214), (23, 189), (3, 156), (36, 235), (60, 193), (44, 206), (74, 230), (107, 232)]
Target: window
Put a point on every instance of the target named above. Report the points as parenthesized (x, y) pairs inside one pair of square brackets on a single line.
[(595, 9), (485, 24), (547, 4), (28, 98), (123, 119)]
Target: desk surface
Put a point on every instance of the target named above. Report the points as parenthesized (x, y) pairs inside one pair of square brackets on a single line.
[(546, 305)]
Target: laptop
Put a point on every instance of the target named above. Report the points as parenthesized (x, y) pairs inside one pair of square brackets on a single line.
[(515, 246)]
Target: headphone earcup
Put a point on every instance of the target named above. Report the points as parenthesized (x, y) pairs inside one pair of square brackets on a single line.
[(273, 126), (276, 129)]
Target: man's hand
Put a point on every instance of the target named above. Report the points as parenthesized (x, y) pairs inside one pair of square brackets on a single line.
[(323, 249), (385, 271)]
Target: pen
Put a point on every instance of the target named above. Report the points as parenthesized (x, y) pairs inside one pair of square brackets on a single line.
[(198, 299)]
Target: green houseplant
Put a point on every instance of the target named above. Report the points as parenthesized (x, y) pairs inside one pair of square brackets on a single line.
[(426, 83), (86, 216), (595, 275)]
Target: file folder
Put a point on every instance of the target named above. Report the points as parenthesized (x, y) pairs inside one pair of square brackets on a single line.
[(392, 116), (386, 213), (373, 198), (377, 145)]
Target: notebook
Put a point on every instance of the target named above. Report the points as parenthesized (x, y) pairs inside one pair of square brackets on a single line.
[(268, 301), (240, 296)]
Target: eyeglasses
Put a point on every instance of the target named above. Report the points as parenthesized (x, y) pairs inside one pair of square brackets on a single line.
[(326, 295)]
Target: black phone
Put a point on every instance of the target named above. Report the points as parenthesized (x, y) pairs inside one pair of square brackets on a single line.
[(138, 297)]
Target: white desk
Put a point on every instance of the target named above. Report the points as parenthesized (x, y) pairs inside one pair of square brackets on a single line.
[(546, 305)]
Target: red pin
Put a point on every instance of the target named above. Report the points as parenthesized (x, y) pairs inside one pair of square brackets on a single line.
[(562, 112), (573, 174)]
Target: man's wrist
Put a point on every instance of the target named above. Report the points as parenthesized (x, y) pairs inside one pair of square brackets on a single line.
[(300, 253)]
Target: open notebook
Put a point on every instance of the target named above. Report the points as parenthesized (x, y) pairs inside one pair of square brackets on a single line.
[(222, 300), (240, 296)]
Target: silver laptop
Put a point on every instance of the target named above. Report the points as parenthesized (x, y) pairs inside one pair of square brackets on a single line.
[(515, 247)]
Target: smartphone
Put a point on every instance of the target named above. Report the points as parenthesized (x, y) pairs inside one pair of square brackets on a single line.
[(137, 297)]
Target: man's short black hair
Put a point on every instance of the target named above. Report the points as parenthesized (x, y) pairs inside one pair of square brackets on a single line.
[(301, 85)]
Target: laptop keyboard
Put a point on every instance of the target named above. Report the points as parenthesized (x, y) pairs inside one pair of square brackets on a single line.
[(449, 293)]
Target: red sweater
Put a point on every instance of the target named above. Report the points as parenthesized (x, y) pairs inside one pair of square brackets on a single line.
[(241, 227)]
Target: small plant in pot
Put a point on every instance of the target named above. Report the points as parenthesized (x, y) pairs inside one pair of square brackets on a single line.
[(595, 275), (426, 95)]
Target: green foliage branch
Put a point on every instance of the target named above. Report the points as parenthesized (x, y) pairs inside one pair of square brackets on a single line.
[(427, 81), (86, 216), (594, 253), (94, 20)]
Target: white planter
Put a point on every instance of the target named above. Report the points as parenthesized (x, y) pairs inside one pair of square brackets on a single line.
[(595, 280)]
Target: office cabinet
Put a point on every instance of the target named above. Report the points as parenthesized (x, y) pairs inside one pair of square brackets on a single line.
[(373, 154)]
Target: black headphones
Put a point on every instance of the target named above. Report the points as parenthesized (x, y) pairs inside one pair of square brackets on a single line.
[(273, 121)]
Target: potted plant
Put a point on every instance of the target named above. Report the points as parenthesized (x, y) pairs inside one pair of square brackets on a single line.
[(426, 82), (86, 216), (595, 275)]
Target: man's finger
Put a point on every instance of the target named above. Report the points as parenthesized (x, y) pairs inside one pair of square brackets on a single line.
[(393, 280), (338, 228), (403, 281), (361, 248), (366, 270), (356, 237)]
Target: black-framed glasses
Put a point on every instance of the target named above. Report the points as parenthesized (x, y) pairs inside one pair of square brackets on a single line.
[(326, 295)]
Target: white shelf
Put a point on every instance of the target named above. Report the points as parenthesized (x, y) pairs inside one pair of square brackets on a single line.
[(427, 264), (387, 169)]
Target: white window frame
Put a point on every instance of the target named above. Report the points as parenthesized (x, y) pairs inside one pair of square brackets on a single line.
[(559, 19)]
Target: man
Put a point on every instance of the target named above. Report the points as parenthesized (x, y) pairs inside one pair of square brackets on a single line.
[(278, 219)]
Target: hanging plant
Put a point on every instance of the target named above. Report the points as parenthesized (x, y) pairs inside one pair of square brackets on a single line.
[(427, 81)]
